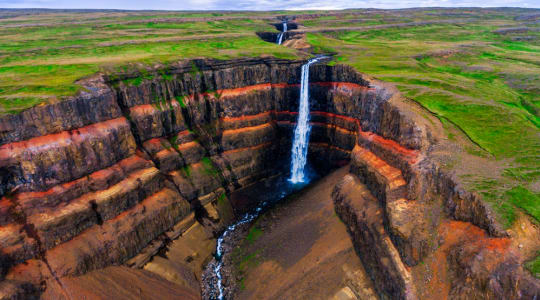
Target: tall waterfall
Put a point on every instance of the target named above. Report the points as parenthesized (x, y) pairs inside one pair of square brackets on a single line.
[(281, 34), (302, 129)]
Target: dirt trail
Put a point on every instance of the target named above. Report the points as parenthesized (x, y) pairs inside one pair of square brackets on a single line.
[(303, 252)]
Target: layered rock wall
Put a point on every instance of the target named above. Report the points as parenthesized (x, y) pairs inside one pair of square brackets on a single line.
[(143, 157), (94, 180)]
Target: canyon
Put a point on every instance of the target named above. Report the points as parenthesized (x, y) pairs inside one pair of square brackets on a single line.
[(129, 183)]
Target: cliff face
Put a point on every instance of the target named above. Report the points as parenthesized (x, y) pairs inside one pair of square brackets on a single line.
[(111, 176)]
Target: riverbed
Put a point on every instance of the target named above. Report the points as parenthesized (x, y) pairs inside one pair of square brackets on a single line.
[(298, 249)]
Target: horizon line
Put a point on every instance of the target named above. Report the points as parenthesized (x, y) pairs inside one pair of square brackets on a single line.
[(271, 10)]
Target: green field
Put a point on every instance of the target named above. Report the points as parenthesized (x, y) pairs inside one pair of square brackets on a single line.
[(41, 63), (475, 80), (479, 81)]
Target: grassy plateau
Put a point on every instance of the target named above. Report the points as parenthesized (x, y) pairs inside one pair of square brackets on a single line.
[(476, 70)]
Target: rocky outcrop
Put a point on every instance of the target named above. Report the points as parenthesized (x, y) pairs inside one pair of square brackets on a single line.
[(364, 217), (410, 248), (272, 37), (402, 210), (143, 163), (100, 178), (290, 25), (119, 283)]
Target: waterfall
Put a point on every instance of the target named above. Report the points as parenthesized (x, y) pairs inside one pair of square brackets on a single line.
[(302, 129), (215, 283), (281, 34)]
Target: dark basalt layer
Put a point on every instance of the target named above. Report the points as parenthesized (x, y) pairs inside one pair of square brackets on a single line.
[(148, 157), (290, 26)]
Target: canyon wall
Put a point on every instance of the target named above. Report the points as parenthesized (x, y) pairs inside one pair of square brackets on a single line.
[(147, 156)]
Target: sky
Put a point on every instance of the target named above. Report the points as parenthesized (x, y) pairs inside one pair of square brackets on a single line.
[(259, 4)]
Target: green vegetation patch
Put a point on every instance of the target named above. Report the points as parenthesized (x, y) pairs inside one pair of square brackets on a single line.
[(476, 81), (187, 171), (249, 261), (209, 168), (222, 198), (42, 63), (253, 234), (180, 100), (534, 266), (526, 200)]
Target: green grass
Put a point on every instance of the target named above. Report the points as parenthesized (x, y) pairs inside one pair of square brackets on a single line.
[(208, 167), (187, 170), (526, 200), (221, 199), (524, 174), (534, 266), (475, 81), (39, 64), (244, 257), (55, 74), (248, 261), (253, 234), (481, 83)]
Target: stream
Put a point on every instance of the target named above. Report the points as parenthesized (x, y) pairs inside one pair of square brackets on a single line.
[(218, 281)]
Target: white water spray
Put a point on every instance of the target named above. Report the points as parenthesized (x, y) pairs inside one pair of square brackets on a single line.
[(302, 129), (281, 34)]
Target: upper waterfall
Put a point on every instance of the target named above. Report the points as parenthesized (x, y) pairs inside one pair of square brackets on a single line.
[(281, 34)]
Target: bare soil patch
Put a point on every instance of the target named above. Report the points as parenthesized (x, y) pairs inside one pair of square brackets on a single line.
[(301, 250)]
